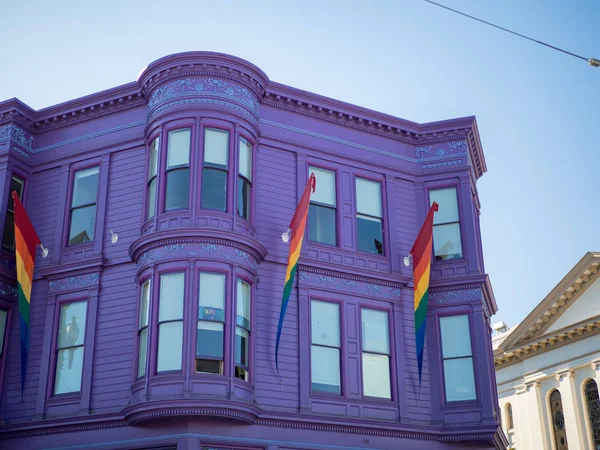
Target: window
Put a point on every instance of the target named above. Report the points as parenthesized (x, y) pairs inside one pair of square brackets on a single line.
[(69, 348), (211, 323), (325, 350), (322, 212), (457, 358), (170, 322), (214, 172), (375, 353), (83, 206), (242, 330), (8, 237), (3, 317), (143, 328), (152, 171), (244, 179), (369, 216), (558, 421), (593, 409), (509, 417), (178, 169), (446, 227)]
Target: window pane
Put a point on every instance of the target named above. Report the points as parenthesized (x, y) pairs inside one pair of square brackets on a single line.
[(214, 189), (178, 152), (142, 350), (368, 197), (171, 296), (16, 184), (246, 159), (448, 211), (456, 336), (376, 376), (459, 379), (144, 304), (85, 187), (375, 331), (325, 369), (71, 330), (69, 366), (212, 297), (216, 147), (325, 323), (83, 222), (446, 241), (153, 160), (370, 235), (241, 346), (325, 191), (178, 189), (243, 198), (209, 339), (3, 316), (8, 237), (321, 224), (151, 198), (170, 346), (243, 304), (209, 366)]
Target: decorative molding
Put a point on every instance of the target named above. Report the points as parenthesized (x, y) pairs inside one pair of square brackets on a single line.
[(349, 286), (453, 148), (454, 296), (72, 283), (168, 412), (202, 101), (595, 365), (16, 134), (564, 374), (23, 153), (455, 162), (8, 291)]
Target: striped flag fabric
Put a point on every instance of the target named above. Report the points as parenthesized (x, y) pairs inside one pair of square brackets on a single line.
[(421, 253), (296, 230), (26, 240)]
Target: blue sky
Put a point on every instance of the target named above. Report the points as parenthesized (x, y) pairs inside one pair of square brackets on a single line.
[(538, 110)]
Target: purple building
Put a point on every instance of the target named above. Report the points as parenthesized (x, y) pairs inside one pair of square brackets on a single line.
[(153, 317)]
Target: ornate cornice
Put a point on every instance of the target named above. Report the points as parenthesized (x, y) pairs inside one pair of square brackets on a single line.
[(16, 134), (349, 286), (358, 278), (154, 411), (73, 283)]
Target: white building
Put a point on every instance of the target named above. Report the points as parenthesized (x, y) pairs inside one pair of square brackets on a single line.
[(548, 367)]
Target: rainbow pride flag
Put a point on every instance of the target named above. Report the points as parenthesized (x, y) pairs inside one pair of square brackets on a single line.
[(421, 253), (26, 240), (296, 229)]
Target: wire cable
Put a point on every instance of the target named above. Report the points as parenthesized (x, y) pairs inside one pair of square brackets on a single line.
[(592, 61)]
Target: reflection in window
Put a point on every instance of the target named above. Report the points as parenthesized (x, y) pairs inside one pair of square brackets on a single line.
[(69, 348), (8, 237), (143, 328), (321, 213), (369, 216), (558, 421), (446, 227), (593, 409), (211, 323), (178, 170), (170, 322), (3, 316), (214, 172), (375, 353), (242, 331), (457, 358), (152, 171), (326, 346), (244, 179), (83, 206)]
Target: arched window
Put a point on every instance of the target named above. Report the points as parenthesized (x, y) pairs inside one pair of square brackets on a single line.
[(558, 421), (509, 417), (593, 408)]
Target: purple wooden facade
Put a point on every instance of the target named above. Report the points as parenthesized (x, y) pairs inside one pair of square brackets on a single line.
[(288, 130)]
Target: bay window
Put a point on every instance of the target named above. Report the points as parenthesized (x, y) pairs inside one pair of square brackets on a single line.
[(8, 237), (70, 347), (446, 225), (143, 328), (83, 206), (375, 353), (325, 353), (170, 322), (178, 169), (322, 209), (242, 330), (459, 378), (369, 216), (211, 323), (244, 179), (152, 172), (214, 171)]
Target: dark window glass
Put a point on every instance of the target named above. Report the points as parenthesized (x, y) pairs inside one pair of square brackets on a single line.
[(178, 189), (210, 339), (178, 171), (370, 234), (8, 237), (558, 421), (243, 203), (593, 407), (83, 206), (211, 323), (209, 366), (245, 178), (321, 224), (82, 225), (3, 316), (369, 216), (214, 189), (152, 171), (242, 330)]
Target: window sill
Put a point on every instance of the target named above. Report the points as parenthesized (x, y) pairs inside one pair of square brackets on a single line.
[(64, 399)]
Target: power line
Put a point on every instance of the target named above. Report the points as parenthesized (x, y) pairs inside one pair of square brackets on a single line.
[(592, 61)]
